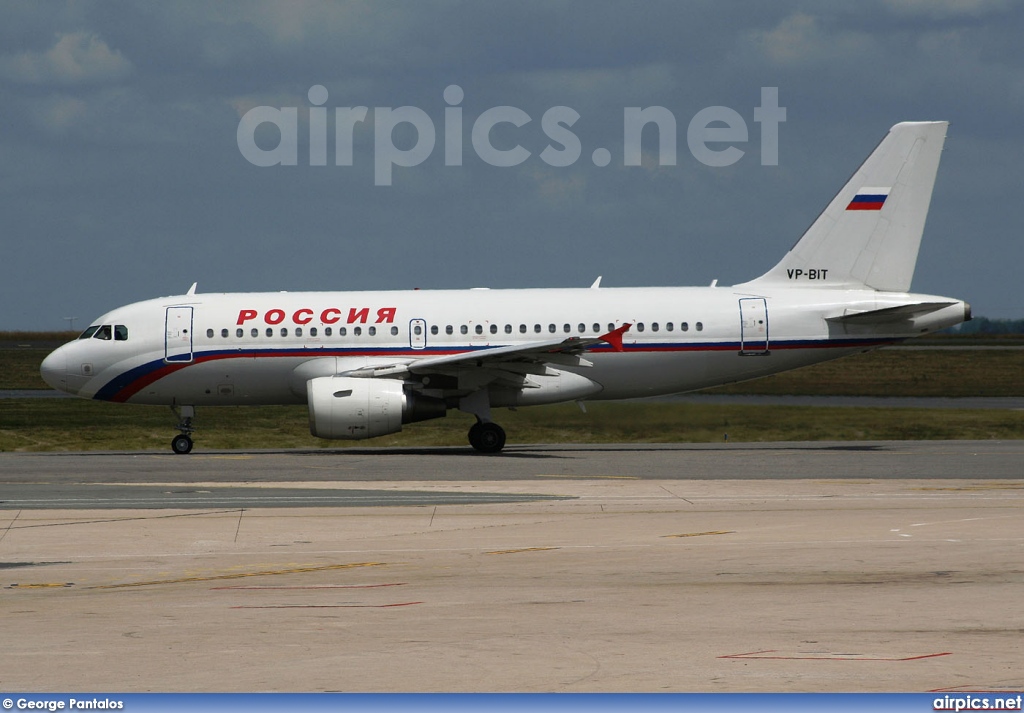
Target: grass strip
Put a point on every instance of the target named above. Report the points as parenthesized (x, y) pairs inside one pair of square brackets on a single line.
[(79, 425)]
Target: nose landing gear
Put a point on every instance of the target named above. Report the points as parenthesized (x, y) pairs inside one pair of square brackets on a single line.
[(182, 443)]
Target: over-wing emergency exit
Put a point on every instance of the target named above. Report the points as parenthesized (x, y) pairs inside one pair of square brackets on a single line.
[(366, 363)]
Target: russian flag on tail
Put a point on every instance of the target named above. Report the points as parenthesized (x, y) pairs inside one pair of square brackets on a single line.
[(869, 199)]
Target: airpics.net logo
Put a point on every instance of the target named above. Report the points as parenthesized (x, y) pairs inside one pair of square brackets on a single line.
[(712, 135)]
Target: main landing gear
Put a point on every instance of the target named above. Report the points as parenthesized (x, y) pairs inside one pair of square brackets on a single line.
[(487, 437), (182, 443)]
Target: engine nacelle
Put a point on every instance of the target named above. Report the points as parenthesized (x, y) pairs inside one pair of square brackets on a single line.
[(352, 408)]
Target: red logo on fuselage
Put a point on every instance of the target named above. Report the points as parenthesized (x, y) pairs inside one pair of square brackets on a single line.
[(330, 315)]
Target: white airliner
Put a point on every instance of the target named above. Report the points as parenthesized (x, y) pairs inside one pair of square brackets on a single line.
[(368, 362)]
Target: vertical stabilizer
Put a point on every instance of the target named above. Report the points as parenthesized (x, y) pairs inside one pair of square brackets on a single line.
[(870, 233)]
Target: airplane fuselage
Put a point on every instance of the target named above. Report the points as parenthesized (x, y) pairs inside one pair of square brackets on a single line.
[(250, 348)]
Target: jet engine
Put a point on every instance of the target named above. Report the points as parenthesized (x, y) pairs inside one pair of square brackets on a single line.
[(351, 408)]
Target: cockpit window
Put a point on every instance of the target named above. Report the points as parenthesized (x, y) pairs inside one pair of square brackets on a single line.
[(120, 333), (89, 332), (103, 333)]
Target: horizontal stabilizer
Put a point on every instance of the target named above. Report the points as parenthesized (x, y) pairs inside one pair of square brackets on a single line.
[(891, 314)]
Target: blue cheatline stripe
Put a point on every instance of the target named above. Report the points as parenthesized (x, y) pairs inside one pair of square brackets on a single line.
[(125, 385)]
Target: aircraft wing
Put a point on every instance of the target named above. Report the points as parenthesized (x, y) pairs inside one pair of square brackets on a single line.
[(520, 358)]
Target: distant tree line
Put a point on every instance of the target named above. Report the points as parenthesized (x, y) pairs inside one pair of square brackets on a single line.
[(984, 325)]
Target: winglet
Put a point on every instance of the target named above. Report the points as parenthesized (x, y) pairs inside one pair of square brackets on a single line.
[(614, 337)]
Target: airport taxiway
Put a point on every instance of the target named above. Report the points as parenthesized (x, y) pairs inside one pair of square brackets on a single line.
[(882, 566)]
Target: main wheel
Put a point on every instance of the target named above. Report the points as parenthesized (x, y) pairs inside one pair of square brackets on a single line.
[(474, 435), (181, 444), (487, 437)]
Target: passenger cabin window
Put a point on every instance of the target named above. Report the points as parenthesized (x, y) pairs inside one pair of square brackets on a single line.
[(700, 326), (224, 333), (209, 333), (394, 331), (298, 331), (255, 332), (327, 331)]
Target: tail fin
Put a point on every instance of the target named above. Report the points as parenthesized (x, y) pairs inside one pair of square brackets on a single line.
[(871, 231)]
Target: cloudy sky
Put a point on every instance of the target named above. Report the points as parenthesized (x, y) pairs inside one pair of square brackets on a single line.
[(122, 177)]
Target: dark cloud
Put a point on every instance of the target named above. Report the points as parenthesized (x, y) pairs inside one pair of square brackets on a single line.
[(122, 179)]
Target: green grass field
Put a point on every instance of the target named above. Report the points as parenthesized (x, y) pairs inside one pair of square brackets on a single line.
[(72, 424), (900, 372)]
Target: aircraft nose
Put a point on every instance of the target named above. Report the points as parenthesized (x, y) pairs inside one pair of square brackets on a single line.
[(54, 370)]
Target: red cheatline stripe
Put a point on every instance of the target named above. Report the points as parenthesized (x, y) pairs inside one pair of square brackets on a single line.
[(141, 382)]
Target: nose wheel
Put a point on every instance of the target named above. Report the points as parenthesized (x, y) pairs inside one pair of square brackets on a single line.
[(487, 437), (182, 444)]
